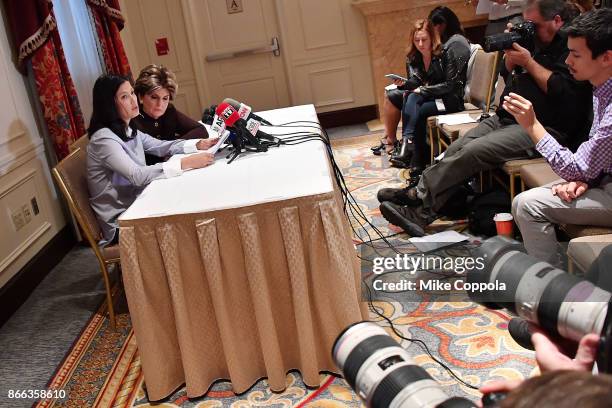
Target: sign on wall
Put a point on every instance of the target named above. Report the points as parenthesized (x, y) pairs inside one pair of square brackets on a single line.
[(234, 6)]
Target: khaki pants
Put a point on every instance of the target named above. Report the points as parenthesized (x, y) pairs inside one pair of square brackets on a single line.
[(537, 211)]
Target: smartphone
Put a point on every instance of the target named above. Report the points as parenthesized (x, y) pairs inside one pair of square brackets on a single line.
[(393, 76)]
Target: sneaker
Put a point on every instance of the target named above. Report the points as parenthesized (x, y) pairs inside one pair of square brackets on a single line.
[(399, 196), (403, 217)]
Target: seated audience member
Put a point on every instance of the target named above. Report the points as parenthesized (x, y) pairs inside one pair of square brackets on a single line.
[(562, 103), (435, 93), (584, 196), (116, 169), (155, 88), (423, 63)]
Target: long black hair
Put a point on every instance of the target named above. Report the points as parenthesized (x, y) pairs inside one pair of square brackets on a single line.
[(105, 114), (444, 15)]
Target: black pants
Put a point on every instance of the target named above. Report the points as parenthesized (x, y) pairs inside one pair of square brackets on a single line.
[(485, 147)]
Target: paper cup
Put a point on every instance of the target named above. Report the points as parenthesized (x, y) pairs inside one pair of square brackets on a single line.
[(504, 224)]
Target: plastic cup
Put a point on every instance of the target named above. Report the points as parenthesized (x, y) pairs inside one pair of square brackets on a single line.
[(504, 224)]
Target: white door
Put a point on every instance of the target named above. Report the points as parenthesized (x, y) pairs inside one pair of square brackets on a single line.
[(235, 51)]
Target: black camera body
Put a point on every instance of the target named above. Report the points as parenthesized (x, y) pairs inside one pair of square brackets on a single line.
[(522, 33)]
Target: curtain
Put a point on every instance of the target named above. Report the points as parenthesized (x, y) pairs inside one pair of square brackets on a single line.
[(37, 41), (79, 41), (108, 21)]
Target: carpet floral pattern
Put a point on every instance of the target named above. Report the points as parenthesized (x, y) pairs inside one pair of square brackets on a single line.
[(103, 366)]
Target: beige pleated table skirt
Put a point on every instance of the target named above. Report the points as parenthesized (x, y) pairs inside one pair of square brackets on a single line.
[(240, 294)]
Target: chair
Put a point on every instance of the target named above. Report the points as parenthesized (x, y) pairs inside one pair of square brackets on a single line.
[(71, 176), (80, 143), (480, 87)]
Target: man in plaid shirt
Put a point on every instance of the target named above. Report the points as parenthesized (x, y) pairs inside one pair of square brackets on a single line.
[(584, 196)]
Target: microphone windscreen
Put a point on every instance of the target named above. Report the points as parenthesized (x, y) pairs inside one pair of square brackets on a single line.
[(235, 104), (227, 113)]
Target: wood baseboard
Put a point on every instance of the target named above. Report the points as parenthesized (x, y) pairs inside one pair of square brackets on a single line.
[(345, 117), (20, 286)]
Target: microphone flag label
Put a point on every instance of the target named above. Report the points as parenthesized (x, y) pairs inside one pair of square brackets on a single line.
[(253, 126), (244, 111), (227, 112), (218, 126)]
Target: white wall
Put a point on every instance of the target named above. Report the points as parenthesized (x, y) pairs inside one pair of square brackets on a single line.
[(24, 174), (324, 50)]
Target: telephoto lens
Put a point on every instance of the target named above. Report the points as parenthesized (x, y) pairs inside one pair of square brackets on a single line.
[(553, 299), (383, 374)]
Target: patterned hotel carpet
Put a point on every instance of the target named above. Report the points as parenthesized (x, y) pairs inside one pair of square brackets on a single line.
[(103, 367)]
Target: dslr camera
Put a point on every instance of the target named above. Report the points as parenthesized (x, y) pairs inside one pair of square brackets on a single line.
[(522, 33)]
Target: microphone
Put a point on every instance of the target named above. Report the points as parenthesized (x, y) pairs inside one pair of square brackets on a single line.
[(231, 118), (252, 126), (245, 111), (217, 127)]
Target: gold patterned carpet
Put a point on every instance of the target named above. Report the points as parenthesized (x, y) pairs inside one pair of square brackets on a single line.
[(102, 368)]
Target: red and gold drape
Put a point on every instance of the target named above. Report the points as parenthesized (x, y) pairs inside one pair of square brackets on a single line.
[(108, 22), (35, 35)]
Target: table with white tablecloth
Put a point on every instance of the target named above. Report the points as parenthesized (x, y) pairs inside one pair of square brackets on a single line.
[(241, 271)]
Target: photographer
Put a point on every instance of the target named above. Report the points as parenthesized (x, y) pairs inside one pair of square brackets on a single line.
[(585, 195), (562, 103)]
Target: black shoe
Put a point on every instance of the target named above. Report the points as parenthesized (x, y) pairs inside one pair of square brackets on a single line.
[(399, 196), (520, 333), (402, 217), (403, 158), (378, 149)]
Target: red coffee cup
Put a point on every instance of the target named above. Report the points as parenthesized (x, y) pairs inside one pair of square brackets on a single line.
[(504, 224)]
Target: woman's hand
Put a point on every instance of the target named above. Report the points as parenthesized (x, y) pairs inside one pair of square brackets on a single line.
[(197, 160), (204, 144)]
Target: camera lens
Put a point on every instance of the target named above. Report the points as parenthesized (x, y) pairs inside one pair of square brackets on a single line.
[(558, 302), (383, 373)]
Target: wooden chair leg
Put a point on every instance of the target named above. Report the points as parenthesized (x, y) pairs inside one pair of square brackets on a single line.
[(109, 295), (439, 141), (431, 145), (512, 188)]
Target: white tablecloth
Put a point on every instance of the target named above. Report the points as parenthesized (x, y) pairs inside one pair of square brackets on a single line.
[(253, 178)]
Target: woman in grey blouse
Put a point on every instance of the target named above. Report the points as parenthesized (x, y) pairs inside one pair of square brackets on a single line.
[(116, 168)]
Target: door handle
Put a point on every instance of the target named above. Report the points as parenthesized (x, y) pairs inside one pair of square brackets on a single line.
[(274, 48)]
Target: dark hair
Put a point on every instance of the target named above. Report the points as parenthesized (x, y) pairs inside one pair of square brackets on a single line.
[(569, 13), (105, 113), (595, 27), (444, 15), (584, 5), (548, 8), (562, 389)]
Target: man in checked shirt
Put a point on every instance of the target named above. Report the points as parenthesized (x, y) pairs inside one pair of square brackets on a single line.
[(584, 196)]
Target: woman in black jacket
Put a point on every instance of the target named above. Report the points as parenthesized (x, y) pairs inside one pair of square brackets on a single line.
[(441, 90), (422, 63)]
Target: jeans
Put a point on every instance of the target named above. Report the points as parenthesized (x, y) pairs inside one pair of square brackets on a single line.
[(415, 110)]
